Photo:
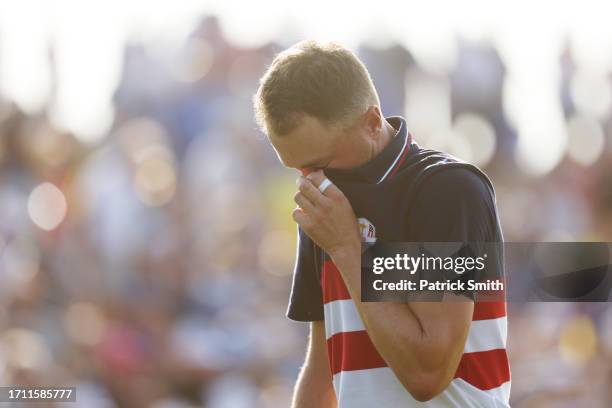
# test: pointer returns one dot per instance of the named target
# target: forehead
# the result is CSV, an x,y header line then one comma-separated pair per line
x,y
309,141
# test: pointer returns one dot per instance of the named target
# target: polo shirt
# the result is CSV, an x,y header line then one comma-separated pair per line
x,y
407,194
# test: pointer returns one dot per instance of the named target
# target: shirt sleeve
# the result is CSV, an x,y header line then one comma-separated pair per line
x,y
458,205
454,205
306,299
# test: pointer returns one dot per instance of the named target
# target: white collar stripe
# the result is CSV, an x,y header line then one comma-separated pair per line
x,y
395,161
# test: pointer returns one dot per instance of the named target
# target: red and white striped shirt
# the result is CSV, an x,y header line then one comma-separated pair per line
x,y
362,378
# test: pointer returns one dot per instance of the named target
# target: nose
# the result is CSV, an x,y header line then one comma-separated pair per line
x,y
307,171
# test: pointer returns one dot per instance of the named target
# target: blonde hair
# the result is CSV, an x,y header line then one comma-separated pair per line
x,y
324,80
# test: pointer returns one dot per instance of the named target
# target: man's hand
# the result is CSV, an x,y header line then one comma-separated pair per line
x,y
328,218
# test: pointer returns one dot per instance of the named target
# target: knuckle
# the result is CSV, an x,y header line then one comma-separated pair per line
x,y
326,204
307,186
334,197
306,224
337,196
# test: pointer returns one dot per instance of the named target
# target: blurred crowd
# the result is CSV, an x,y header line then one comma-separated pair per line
x,y
152,268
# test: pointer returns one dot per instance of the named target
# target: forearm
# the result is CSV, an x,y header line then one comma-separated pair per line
x,y
311,390
398,327
314,385
422,354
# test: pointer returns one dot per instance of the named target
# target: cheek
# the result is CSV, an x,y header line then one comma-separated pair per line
x,y
341,163
345,155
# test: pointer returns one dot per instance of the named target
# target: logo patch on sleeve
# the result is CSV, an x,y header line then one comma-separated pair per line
x,y
368,231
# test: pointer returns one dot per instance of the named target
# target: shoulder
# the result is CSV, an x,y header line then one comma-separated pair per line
x,y
435,171
457,181
454,204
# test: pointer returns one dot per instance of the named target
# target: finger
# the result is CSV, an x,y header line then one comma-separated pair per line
x,y
303,202
301,218
318,177
311,192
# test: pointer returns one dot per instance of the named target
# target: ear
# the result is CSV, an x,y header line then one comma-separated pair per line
x,y
373,120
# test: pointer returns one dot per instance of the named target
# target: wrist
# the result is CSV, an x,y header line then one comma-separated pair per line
x,y
346,254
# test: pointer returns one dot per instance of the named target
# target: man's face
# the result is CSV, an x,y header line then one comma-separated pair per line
x,y
313,145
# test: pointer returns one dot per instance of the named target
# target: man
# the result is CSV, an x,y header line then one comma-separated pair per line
x,y
321,112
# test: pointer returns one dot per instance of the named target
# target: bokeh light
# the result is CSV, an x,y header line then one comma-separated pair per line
x,y
427,105
139,134
25,349
479,135
578,340
592,93
47,206
25,76
586,139
84,323
155,181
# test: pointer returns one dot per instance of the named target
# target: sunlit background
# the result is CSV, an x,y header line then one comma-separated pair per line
x,y
146,243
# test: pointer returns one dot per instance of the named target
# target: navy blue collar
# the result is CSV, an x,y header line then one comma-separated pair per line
x,y
385,164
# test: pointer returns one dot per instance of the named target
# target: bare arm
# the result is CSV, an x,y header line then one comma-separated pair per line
x,y
422,342
314,385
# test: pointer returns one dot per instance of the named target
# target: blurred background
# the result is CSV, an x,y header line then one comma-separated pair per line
x,y
146,242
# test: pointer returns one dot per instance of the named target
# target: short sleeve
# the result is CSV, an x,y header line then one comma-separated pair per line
x,y
306,299
454,205
458,205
